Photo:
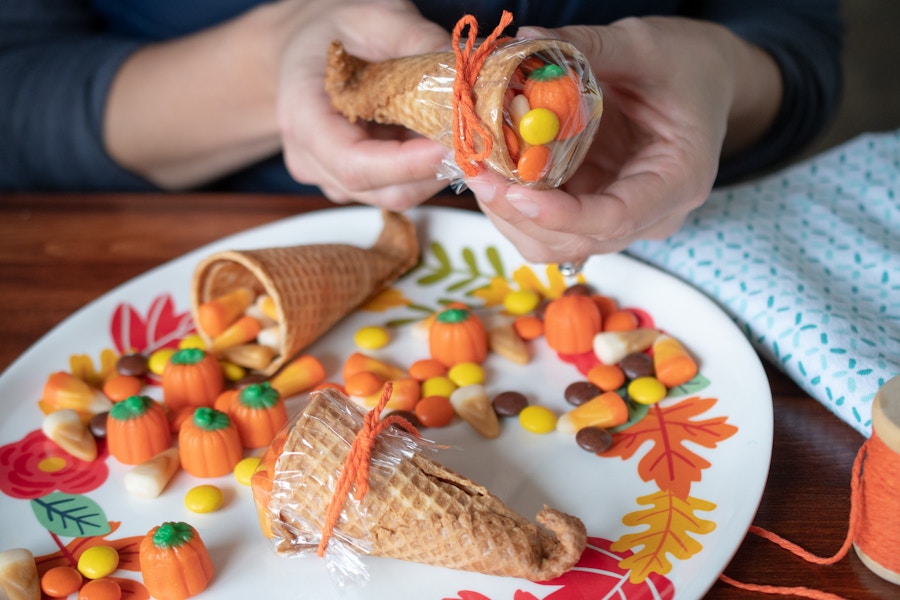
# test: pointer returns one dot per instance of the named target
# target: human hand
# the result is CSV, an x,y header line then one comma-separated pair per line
x,y
385,166
672,89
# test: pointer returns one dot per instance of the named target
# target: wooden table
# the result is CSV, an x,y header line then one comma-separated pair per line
x,y
59,252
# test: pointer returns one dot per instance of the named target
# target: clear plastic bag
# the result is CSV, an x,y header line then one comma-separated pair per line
x,y
418,93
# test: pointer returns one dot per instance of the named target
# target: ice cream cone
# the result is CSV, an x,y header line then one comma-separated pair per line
x,y
313,286
415,509
417,92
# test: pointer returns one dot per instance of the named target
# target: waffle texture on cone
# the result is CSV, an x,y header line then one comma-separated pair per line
x,y
415,509
417,92
313,286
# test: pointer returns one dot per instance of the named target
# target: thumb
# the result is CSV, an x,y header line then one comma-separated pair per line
x,y
604,46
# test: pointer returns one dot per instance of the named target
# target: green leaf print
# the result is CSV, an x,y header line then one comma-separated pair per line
x,y
70,515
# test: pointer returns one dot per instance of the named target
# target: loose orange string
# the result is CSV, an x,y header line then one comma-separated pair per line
x,y
356,466
466,124
873,523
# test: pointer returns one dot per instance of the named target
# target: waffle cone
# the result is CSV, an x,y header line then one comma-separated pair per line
x,y
313,286
416,92
415,509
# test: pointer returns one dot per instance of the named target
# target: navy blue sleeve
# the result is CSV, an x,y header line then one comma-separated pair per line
x,y
56,67
805,37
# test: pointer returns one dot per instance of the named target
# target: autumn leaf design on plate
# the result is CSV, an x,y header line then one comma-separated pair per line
x,y
671,518
600,573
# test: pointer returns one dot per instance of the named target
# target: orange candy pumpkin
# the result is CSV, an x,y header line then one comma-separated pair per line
x,y
570,324
137,429
456,336
192,377
257,410
209,444
558,89
175,563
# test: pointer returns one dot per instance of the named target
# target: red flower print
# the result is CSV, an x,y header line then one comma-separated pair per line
x,y
36,466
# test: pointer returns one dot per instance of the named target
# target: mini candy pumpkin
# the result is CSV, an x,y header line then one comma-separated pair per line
x,y
192,377
257,410
209,444
175,563
558,89
456,336
570,324
137,429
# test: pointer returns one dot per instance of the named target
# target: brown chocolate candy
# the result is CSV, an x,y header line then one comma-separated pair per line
x,y
132,364
637,364
97,425
580,392
409,416
593,439
579,289
509,404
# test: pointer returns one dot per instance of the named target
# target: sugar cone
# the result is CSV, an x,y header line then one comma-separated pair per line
x,y
313,286
416,92
415,509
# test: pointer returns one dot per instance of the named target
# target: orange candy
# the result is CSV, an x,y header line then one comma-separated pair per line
x,y
434,411
364,383
426,369
606,377
101,589
534,163
620,320
119,387
606,305
59,582
528,327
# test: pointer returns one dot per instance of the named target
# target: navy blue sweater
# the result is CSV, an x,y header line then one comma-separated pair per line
x,y
58,59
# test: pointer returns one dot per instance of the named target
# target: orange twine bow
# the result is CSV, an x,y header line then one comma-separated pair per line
x,y
356,467
466,123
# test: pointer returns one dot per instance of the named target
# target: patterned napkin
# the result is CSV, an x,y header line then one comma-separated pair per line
x,y
807,263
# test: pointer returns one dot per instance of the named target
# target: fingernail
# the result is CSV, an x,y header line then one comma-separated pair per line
x,y
483,190
523,204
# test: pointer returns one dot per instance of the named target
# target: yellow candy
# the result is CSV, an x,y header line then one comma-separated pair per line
x,y
646,390
204,499
192,341
537,419
539,126
98,561
521,302
157,361
245,469
438,386
372,337
231,371
467,373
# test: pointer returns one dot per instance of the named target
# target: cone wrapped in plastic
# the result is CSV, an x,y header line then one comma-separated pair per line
x,y
422,93
313,286
414,509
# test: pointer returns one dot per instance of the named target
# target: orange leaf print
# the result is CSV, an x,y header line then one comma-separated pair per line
x,y
672,465
669,522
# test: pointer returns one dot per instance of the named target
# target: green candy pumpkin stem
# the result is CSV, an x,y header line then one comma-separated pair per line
x,y
453,315
547,73
130,408
210,419
188,356
259,395
172,535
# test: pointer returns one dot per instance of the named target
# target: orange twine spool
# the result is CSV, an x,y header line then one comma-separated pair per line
x,y
874,528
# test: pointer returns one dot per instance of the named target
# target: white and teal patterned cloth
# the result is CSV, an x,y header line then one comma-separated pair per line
x,y
807,262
